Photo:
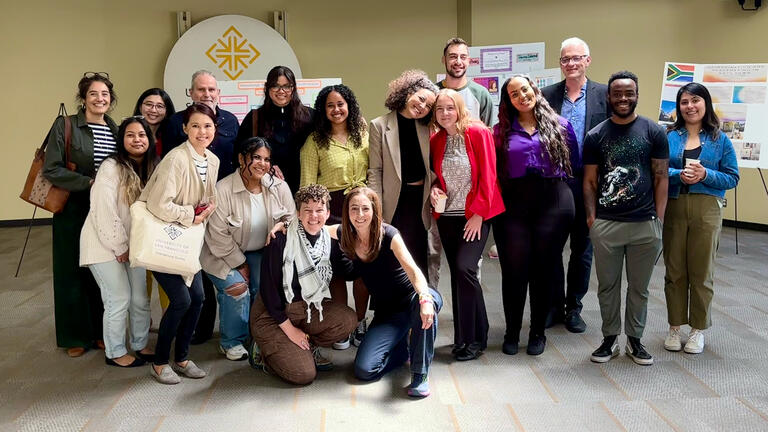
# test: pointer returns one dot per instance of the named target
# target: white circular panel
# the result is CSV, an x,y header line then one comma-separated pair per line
x,y
233,47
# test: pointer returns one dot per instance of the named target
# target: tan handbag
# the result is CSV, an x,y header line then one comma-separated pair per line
x,y
164,246
38,190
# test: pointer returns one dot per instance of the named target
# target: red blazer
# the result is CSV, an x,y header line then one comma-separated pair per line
x,y
484,197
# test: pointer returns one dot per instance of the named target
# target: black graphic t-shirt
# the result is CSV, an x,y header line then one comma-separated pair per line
x,y
623,156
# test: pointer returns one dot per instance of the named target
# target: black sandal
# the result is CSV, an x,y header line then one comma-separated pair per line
x,y
135,363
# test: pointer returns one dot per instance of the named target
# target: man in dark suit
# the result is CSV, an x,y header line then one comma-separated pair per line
x,y
584,104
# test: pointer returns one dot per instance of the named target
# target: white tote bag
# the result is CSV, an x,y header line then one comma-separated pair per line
x,y
161,246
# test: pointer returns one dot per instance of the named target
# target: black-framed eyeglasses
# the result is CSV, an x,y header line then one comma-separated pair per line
x,y
96,75
136,117
284,88
575,59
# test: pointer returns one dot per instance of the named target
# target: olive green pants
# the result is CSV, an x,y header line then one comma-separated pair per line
x,y
691,235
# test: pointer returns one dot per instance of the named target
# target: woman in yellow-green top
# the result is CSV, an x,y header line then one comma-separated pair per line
x,y
336,153
336,156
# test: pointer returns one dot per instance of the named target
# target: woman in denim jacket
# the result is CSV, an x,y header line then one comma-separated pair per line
x,y
702,166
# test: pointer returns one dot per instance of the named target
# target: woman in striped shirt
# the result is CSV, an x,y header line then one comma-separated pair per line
x,y
78,307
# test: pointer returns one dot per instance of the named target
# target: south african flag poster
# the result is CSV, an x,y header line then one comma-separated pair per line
x,y
679,72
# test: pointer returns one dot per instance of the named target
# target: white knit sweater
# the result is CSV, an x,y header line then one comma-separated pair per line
x,y
107,228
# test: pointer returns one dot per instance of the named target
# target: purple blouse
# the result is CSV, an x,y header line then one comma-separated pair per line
x,y
522,153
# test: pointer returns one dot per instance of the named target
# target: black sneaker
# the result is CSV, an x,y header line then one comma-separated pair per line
x,y
636,351
606,351
536,344
509,347
574,323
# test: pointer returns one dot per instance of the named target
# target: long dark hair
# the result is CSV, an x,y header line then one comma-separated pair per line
x,y
355,122
299,113
134,175
247,148
169,108
551,133
348,233
710,123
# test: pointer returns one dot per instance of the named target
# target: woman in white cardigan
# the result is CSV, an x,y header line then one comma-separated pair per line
x,y
104,243
252,204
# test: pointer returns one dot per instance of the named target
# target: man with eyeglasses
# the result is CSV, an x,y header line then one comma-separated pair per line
x,y
583,103
476,97
205,90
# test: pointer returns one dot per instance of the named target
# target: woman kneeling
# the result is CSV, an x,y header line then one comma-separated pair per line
x,y
404,302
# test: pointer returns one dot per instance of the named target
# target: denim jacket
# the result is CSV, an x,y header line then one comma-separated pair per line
x,y
717,156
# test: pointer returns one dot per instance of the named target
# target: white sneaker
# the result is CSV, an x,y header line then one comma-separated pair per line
x,y
342,344
236,353
672,341
695,343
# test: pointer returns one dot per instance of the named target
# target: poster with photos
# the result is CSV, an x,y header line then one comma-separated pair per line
x,y
739,98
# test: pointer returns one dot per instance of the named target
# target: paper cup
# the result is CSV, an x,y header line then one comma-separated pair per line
x,y
441,199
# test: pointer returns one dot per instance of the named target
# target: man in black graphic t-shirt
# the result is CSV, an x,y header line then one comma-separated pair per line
x,y
625,195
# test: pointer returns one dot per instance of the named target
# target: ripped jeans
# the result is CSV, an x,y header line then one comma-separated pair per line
x,y
234,307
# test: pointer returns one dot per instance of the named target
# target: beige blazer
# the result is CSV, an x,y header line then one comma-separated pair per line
x,y
175,187
384,168
229,227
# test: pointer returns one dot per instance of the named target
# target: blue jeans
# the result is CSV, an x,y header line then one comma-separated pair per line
x,y
233,312
180,319
124,292
385,346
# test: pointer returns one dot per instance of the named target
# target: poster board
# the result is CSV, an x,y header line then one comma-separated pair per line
x,y
241,96
738,96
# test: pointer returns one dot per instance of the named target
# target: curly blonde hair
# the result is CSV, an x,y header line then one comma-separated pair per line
x,y
408,83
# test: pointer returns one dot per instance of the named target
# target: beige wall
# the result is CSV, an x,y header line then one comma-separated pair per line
x,y
639,35
48,44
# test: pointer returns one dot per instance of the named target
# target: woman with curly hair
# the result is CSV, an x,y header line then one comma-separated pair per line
x,y
283,121
465,178
536,152
336,156
398,160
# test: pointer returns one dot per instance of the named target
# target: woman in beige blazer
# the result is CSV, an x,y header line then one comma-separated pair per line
x,y
251,205
182,190
398,164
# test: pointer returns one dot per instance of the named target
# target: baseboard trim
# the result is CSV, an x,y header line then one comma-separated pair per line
x,y
745,225
25,222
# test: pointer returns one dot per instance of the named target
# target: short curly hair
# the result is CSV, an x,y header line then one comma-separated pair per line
x,y
312,192
408,83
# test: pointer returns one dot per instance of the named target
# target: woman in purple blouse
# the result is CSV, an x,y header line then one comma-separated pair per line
x,y
536,153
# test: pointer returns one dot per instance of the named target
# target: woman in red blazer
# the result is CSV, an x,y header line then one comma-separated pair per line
x,y
465,196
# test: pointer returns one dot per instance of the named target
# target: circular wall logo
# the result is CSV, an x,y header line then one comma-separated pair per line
x,y
233,47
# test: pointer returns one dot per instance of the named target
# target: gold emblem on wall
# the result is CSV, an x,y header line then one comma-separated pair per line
x,y
232,53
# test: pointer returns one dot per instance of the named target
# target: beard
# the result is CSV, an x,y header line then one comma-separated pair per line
x,y
632,106
453,74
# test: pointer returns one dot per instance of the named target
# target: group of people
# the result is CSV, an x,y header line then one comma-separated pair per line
x,y
430,177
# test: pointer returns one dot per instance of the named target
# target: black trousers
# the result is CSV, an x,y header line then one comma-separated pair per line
x,y
569,290
407,219
530,236
470,320
181,317
207,320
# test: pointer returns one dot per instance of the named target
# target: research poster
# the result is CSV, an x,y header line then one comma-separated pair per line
x,y
738,96
240,97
